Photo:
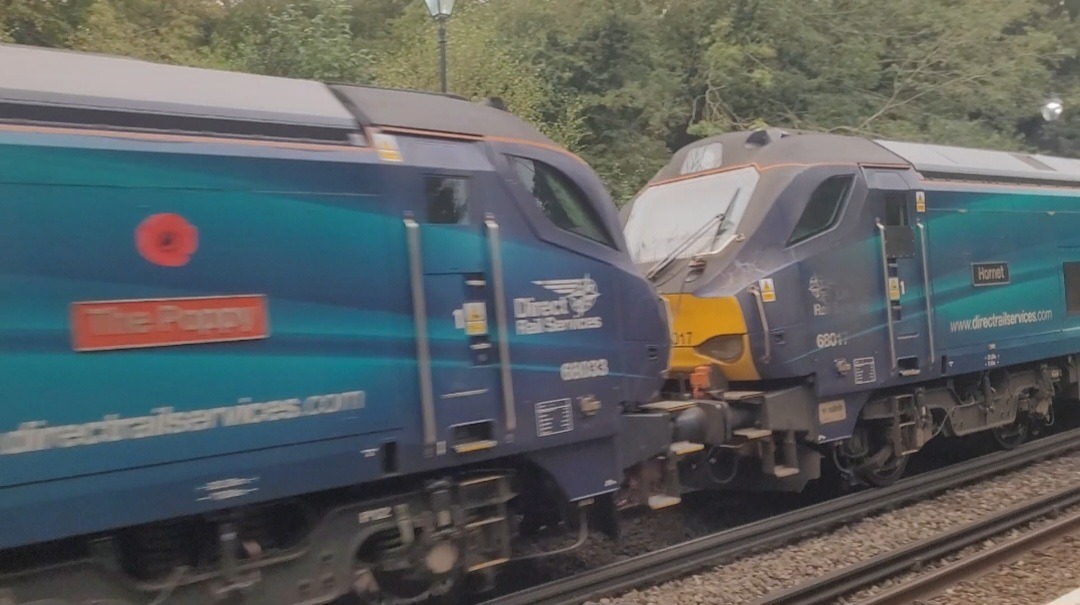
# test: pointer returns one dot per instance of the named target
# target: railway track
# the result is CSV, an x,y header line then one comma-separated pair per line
x,y
695,554
851,579
934,583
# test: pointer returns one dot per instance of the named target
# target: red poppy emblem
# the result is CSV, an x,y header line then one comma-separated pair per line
x,y
167,239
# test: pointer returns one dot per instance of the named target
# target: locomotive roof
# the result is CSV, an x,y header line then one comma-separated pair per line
x,y
772,147
963,162
42,85
434,112
46,85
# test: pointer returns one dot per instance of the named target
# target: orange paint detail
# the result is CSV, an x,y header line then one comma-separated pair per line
x,y
768,167
182,138
968,184
137,324
700,381
472,137
430,133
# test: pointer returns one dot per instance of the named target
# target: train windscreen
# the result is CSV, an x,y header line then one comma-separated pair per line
x,y
682,218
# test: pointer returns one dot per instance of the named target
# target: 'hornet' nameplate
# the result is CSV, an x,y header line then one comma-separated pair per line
x,y
990,274
136,324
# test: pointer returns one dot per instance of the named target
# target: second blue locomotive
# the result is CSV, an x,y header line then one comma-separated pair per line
x,y
854,298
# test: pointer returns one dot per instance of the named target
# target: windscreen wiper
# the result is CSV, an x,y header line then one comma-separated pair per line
x,y
693,237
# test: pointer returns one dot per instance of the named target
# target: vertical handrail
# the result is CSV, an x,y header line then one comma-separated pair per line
x,y
888,299
495,249
926,289
423,350
756,293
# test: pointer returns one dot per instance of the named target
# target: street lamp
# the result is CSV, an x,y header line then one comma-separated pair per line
x,y
1052,108
440,10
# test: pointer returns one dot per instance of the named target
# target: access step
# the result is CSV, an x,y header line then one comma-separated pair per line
x,y
752,434
475,446
483,522
682,448
479,480
781,471
742,396
659,502
487,564
669,407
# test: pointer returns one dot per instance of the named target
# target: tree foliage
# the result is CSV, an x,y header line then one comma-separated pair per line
x,y
624,83
174,31
305,39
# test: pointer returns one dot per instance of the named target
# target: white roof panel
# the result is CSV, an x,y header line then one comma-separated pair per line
x,y
58,78
985,163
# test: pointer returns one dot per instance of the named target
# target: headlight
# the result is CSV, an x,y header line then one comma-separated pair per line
x,y
725,348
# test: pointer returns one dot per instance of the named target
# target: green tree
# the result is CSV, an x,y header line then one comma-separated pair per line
x,y
624,83
40,22
607,56
484,60
1062,137
302,39
170,31
913,69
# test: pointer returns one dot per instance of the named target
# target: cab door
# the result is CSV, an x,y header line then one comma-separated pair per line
x,y
461,353
904,277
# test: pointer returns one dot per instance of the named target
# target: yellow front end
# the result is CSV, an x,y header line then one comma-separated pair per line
x,y
710,331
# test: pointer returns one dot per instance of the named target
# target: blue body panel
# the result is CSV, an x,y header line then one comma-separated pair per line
x,y
321,235
832,297
1033,231
841,290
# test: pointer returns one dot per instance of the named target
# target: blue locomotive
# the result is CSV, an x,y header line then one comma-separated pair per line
x,y
290,341
848,299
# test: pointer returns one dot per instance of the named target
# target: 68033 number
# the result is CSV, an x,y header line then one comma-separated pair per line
x,y
578,370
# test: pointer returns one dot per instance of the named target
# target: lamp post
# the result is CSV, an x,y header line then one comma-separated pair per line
x,y
440,10
1052,109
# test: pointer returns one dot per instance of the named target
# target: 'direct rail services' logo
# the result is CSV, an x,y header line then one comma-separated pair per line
x,y
576,297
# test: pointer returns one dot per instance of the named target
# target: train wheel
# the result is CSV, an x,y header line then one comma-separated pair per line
x,y
1012,435
869,457
886,474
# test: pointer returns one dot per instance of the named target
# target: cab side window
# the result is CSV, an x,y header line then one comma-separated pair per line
x,y
447,199
1072,287
560,200
823,209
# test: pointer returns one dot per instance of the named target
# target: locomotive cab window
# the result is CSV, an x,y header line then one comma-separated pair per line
x,y
823,209
560,200
1072,287
896,214
447,199
899,235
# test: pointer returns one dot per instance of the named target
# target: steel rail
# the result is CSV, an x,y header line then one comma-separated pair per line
x,y
695,554
851,579
936,582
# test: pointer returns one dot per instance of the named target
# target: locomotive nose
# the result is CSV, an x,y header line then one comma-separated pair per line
x,y
710,331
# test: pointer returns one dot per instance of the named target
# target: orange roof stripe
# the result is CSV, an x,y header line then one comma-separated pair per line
x,y
768,167
472,137
182,138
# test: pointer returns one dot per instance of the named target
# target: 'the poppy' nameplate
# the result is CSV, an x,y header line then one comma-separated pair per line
x,y
133,324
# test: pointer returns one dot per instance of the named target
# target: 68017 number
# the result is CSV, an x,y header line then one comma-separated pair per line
x,y
830,339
